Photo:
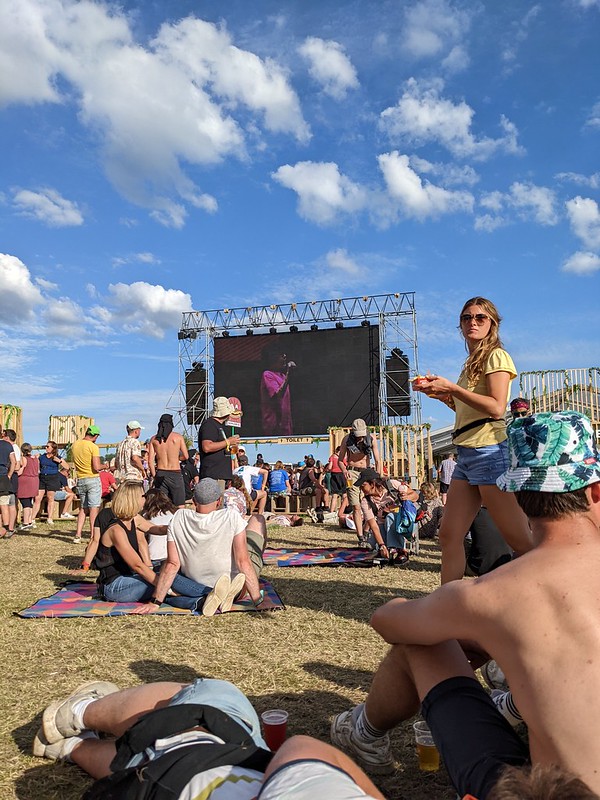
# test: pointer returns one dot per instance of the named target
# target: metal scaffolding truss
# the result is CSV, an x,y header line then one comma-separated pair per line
x,y
395,314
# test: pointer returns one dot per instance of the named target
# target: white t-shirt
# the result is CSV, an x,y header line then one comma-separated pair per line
x,y
204,542
157,545
246,473
224,783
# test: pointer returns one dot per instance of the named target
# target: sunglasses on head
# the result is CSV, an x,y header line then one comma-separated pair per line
x,y
520,414
478,318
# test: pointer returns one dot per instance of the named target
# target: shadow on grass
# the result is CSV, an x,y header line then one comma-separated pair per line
x,y
60,536
349,600
149,670
346,677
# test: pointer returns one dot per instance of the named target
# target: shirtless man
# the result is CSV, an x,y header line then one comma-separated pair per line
x,y
538,617
355,455
165,452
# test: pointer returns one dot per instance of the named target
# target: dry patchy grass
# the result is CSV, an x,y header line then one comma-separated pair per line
x,y
314,659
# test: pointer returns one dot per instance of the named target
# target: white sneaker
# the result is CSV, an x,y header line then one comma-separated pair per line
x,y
67,516
375,757
49,522
57,720
76,540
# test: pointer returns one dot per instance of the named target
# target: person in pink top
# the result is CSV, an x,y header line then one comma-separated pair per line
x,y
29,485
275,397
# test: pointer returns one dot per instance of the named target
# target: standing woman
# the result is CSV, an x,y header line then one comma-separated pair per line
x,y
50,464
479,399
29,485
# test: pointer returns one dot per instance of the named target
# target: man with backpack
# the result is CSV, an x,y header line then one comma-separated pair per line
x,y
357,450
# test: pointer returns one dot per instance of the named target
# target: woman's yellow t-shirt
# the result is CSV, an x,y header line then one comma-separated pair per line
x,y
491,432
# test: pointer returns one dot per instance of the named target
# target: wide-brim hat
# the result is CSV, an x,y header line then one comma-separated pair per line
x,y
221,407
551,452
366,475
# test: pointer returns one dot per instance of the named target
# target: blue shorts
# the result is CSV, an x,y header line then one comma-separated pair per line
x,y
219,694
90,492
480,466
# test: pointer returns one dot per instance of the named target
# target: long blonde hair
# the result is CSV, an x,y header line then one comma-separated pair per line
x,y
473,366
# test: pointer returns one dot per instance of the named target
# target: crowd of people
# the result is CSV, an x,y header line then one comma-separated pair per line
x,y
524,496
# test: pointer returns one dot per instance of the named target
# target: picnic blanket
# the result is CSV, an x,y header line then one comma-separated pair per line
x,y
319,556
78,599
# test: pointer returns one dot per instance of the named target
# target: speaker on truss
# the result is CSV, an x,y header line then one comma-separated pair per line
x,y
396,377
195,393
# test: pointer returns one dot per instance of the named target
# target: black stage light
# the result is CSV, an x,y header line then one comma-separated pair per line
x,y
249,332
339,325
314,327
365,323
225,334
293,329
272,330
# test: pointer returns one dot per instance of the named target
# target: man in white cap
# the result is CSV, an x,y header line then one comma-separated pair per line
x,y
215,445
356,451
129,464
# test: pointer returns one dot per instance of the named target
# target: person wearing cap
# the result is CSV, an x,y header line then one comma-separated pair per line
x,y
357,450
86,457
537,616
129,464
166,450
209,541
215,444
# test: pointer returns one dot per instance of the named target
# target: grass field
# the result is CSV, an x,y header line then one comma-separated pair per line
x,y
314,659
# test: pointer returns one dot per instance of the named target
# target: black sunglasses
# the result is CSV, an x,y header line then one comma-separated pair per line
x,y
520,414
478,318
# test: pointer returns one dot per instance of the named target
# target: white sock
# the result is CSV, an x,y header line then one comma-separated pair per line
x,y
78,710
506,706
362,727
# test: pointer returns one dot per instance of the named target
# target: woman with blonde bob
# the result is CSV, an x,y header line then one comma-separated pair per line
x,y
123,559
479,398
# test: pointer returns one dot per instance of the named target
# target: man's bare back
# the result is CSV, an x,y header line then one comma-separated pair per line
x,y
168,454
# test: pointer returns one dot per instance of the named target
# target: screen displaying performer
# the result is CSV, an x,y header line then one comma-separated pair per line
x,y
300,383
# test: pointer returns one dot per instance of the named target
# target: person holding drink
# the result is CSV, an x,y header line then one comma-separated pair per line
x,y
215,445
479,398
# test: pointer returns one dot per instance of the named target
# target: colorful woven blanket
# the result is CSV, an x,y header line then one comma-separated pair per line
x,y
319,556
79,600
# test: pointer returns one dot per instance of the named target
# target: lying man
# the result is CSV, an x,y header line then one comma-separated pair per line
x,y
188,741
538,617
209,541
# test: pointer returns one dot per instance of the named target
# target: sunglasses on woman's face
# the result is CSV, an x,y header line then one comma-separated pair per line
x,y
520,414
479,319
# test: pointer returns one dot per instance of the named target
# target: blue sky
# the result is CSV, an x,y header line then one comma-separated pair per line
x,y
164,156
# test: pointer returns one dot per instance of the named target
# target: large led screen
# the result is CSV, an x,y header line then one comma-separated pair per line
x,y
298,384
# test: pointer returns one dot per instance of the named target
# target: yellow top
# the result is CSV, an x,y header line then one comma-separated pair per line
x,y
82,451
491,432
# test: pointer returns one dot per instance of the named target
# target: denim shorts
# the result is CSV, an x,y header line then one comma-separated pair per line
x,y
219,694
90,492
480,466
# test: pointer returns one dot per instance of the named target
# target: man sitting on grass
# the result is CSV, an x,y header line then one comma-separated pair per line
x,y
211,541
188,741
538,617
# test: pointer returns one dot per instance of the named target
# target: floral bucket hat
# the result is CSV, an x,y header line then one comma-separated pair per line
x,y
551,452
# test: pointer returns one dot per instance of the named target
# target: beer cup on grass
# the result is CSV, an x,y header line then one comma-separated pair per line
x,y
274,727
429,757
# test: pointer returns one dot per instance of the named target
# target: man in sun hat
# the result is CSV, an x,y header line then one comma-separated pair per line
x,y
215,443
357,449
537,616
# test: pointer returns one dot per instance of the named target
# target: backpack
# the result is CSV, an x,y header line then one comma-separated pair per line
x,y
405,518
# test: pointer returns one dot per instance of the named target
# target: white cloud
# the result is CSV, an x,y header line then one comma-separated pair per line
x,y
141,258
422,115
581,263
329,66
18,295
526,200
593,120
47,206
65,319
415,197
48,286
147,308
186,100
590,181
340,260
323,192
518,34
448,174
585,4
434,28
584,216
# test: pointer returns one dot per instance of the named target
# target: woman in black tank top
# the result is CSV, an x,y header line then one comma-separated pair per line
x,y
126,574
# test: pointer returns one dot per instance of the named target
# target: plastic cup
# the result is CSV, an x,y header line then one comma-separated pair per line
x,y
427,752
274,724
